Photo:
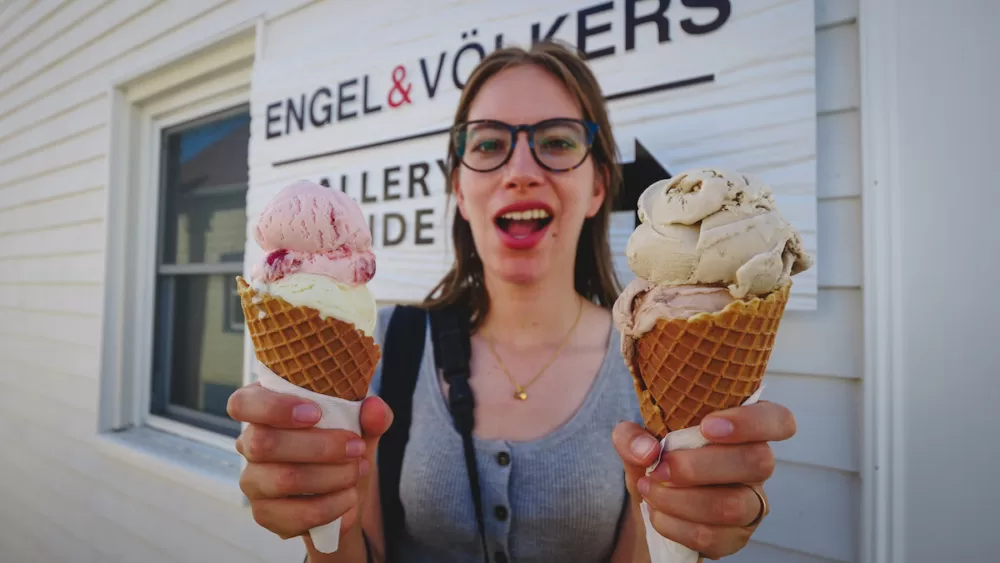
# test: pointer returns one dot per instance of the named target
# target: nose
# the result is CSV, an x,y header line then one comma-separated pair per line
x,y
522,171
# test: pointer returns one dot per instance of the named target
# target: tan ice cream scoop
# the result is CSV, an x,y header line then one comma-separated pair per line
x,y
708,227
714,260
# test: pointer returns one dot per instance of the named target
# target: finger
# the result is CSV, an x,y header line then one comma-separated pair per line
x,y
256,405
279,480
759,422
638,450
263,444
722,505
376,417
290,517
635,444
713,542
716,465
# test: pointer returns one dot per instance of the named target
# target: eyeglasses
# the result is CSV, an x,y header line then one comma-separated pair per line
x,y
558,145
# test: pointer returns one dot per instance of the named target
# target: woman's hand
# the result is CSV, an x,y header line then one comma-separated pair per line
x,y
701,498
298,477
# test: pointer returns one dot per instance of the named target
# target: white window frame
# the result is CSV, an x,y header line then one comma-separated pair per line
x,y
212,77
225,93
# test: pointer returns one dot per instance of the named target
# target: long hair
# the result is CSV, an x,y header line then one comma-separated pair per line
x,y
594,275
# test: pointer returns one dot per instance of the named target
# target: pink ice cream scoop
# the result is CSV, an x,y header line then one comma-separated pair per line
x,y
308,228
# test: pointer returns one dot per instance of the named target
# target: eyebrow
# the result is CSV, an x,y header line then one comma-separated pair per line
x,y
470,120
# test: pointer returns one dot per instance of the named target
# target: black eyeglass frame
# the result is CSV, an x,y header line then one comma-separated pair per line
x,y
456,130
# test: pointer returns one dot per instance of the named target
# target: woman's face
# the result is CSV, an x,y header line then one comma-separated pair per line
x,y
525,219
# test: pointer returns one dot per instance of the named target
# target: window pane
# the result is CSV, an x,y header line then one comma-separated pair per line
x,y
205,177
199,344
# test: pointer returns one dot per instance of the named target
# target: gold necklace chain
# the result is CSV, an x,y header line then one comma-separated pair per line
x,y
521,391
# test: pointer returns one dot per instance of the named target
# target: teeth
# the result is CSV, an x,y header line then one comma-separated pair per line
x,y
526,215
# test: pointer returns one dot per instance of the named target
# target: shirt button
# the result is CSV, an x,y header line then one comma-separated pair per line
x,y
500,557
503,458
500,512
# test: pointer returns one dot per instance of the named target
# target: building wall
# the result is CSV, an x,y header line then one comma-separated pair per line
x,y
62,498
816,367
942,134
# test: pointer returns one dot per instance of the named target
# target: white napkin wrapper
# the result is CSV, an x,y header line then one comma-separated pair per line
x,y
337,414
661,549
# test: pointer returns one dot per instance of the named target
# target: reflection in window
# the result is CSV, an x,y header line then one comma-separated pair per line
x,y
233,318
198,359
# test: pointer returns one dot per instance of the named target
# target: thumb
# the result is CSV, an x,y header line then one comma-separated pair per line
x,y
638,450
376,417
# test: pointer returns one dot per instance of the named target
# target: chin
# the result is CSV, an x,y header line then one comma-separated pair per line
x,y
521,278
521,260
519,270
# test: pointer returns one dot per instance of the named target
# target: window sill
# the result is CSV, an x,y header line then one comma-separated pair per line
x,y
207,469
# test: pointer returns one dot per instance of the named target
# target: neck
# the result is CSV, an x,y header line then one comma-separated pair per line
x,y
527,316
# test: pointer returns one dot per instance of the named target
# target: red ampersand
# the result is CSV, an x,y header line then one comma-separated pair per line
x,y
400,90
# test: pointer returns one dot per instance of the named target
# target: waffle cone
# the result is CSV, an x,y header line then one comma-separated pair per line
x,y
325,355
685,369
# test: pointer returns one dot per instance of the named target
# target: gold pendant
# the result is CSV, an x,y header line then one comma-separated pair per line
x,y
521,394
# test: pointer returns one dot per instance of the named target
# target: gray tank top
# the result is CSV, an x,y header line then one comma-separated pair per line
x,y
558,498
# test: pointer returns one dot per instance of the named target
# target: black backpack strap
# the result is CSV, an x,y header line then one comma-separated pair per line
x,y
452,352
402,353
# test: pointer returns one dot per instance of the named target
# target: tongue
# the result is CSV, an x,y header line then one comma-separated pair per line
x,y
521,229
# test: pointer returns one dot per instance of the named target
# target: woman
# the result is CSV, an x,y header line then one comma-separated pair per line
x,y
557,427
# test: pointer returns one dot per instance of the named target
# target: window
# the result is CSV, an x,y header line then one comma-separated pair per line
x,y
173,345
232,320
198,335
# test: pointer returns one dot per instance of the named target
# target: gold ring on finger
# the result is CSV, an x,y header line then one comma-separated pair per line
x,y
763,506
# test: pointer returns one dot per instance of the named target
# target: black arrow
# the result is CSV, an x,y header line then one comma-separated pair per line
x,y
637,176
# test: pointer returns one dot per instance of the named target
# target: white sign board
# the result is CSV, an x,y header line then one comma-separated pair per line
x,y
358,96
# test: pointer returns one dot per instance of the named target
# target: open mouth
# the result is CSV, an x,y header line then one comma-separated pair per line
x,y
525,223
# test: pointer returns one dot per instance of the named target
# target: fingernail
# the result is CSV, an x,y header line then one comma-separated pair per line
x,y
662,472
363,467
643,446
305,413
355,448
717,427
643,486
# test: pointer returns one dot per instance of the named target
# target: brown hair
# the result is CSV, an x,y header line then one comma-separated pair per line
x,y
594,273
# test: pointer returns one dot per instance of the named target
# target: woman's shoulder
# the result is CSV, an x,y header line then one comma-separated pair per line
x,y
614,360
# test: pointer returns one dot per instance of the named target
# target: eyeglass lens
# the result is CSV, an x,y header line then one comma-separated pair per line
x,y
559,145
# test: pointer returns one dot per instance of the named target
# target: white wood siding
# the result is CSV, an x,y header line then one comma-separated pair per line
x,y
63,499
816,366
817,363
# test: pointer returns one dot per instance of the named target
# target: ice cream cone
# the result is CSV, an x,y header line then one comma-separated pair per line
x,y
325,355
685,369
